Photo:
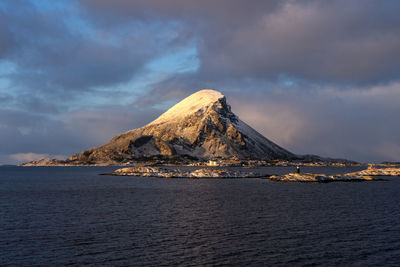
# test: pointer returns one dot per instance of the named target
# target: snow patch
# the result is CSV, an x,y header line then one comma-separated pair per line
x,y
200,100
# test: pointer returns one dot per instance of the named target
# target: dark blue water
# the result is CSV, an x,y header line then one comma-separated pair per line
x,y
73,216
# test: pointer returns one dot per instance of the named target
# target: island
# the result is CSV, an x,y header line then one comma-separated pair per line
x,y
159,172
378,172
320,178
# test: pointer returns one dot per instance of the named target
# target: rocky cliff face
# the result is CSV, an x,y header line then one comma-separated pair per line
x,y
201,126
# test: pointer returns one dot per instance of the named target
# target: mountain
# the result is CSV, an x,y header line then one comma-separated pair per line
x,y
201,126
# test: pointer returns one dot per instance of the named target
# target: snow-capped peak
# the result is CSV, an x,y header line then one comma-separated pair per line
x,y
191,104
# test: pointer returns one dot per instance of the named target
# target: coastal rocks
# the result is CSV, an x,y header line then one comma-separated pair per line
x,y
145,172
320,178
176,173
364,175
50,162
44,162
159,172
378,172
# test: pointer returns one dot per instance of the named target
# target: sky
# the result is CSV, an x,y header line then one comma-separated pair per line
x,y
316,77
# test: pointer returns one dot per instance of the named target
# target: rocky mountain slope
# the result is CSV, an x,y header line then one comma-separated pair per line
x,y
202,126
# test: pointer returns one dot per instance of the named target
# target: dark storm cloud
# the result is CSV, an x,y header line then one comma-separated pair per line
x,y
6,39
347,42
52,51
336,41
39,105
228,11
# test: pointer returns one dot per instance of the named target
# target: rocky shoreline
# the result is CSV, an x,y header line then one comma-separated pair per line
x,y
378,172
159,172
320,178
365,175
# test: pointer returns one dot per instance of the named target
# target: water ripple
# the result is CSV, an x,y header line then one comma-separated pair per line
x,y
74,217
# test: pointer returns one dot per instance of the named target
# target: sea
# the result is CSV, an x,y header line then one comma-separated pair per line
x,y
72,216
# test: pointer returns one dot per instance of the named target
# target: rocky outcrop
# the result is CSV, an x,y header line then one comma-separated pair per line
x,y
225,173
319,178
178,173
45,162
56,162
378,172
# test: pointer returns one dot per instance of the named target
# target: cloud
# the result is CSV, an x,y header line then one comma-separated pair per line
x,y
345,42
56,51
357,124
315,76
223,10
336,41
6,39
